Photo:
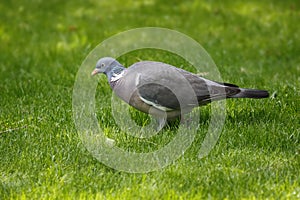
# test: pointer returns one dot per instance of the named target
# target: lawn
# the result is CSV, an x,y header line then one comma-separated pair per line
x,y
255,44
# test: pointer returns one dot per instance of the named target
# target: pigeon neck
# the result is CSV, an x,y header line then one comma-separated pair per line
x,y
115,73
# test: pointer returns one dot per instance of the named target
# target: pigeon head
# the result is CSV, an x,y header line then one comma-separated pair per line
x,y
106,66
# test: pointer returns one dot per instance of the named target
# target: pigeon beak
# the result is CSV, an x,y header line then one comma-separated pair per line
x,y
96,71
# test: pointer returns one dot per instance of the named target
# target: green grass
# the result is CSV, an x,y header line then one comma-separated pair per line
x,y
43,43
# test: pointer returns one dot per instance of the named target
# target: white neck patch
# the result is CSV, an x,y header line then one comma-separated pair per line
x,y
116,77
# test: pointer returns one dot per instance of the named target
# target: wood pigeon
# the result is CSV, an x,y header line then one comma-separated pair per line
x,y
164,91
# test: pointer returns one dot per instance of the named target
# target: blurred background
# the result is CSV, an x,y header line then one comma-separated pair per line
x,y
49,38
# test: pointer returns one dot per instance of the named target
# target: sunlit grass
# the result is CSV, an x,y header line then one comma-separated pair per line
x,y
43,43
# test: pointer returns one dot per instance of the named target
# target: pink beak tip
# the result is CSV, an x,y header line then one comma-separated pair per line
x,y
94,72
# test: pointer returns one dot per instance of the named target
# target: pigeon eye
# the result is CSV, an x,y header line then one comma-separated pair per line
x,y
102,64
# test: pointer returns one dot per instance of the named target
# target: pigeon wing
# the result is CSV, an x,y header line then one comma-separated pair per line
x,y
168,88
164,86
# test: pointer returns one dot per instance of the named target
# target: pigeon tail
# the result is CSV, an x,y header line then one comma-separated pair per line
x,y
251,93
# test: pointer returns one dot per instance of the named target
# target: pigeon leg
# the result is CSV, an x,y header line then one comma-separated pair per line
x,y
161,123
182,119
160,116
185,120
